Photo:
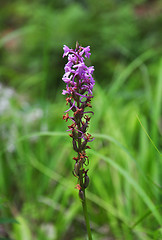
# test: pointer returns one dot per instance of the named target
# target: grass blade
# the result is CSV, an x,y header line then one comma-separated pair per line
x,y
133,183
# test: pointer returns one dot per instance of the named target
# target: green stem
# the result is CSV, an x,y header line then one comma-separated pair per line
x,y
84,204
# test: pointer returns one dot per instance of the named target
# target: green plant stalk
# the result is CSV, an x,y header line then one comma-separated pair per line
x,y
84,205
85,212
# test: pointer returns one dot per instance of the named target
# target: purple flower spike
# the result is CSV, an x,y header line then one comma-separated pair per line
x,y
79,86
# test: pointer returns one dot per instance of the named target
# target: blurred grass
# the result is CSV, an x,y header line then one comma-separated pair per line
x,y
124,160
36,181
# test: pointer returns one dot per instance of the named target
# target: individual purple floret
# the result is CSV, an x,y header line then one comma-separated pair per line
x,y
79,86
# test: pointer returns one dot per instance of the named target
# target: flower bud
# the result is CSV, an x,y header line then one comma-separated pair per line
x,y
84,127
76,168
83,145
86,181
81,194
77,45
75,134
75,145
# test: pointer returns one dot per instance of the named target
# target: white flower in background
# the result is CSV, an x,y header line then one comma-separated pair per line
x,y
6,94
9,134
21,114
49,230
4,105
34,115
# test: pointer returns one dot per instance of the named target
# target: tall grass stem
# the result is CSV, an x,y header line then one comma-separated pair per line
x,y
85,212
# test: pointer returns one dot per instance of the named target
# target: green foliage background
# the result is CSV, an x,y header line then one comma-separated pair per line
x,y
37,188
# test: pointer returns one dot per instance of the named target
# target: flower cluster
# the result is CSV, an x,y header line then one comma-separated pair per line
x,y
79,86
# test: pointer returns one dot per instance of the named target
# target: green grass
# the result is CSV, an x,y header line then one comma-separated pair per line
x,y
38,199
124,196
